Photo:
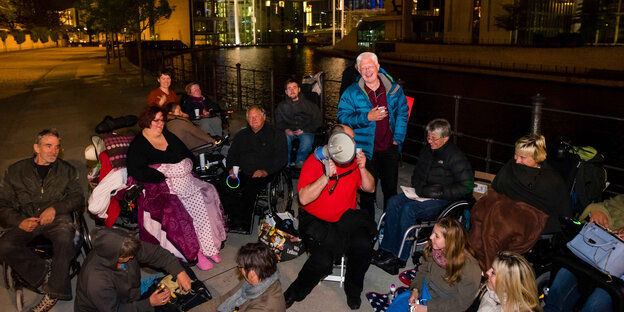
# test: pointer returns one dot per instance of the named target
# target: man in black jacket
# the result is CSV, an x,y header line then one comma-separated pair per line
x,y
110,278
442,175
37,197
259,151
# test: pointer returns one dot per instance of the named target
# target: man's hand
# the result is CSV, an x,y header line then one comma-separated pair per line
x,y
184,281
289,132
377,113
159,298
298,132
47,216
619,232
395,143
260,174
330,168
162,99
361,160
599,218
29,224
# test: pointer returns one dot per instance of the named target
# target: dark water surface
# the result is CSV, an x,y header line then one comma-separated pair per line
x,y
476,118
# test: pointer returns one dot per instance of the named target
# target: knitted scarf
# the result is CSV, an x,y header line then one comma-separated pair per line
x,y
247,292
438,257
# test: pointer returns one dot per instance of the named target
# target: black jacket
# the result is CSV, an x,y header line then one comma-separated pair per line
x,y
542,188
103,287
302,114
446,166
265,150
23,194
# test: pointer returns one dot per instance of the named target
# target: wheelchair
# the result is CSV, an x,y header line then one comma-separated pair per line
x,y
43,247
419,233
277,197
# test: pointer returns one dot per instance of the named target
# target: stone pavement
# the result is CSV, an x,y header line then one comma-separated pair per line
x,y
72,89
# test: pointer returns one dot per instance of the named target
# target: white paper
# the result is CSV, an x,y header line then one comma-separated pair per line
x,y
410,192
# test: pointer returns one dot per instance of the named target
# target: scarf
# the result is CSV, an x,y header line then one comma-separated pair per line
x,y
196,99
438,257
247,292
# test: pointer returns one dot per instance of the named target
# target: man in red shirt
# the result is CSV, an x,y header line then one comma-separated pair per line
x,y
332,226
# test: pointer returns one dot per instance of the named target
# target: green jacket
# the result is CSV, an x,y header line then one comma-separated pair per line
x,y
23,194
613,208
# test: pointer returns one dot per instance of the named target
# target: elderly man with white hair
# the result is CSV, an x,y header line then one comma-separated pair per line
x,y
376,109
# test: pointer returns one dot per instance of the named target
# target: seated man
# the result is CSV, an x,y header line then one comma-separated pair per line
x,y
260,290
443,174
298,118
37,197
260,152
332,226
110,278
191,135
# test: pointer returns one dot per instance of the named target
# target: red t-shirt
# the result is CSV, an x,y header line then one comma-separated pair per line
x,y
331,207
153,97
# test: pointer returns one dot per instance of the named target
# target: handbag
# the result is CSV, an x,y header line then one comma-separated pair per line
x,y
180,300
275,232
600,248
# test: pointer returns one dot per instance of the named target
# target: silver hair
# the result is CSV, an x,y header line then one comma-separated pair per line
x,y
366,55
44,132
255,106
440,126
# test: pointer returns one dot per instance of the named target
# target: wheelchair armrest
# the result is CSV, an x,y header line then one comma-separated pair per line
x,y
202,148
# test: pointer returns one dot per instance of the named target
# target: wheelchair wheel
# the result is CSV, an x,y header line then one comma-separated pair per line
x,y
281,193
543,281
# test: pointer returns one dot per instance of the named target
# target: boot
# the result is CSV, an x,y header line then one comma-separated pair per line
x,y
203,263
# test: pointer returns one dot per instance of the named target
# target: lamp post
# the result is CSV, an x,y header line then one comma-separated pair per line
x,y
333,23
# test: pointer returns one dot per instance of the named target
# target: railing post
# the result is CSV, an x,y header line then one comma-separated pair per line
x,y
239,92
214,80
488,155
322,97
272,108
183,71
536,113
456,120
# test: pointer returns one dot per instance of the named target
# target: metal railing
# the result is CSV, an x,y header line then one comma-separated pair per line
x,y
240,87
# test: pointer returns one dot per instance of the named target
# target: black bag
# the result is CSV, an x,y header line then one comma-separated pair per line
x,y
196,296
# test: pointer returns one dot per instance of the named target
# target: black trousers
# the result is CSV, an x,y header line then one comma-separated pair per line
x,y
385,167
239,203
348,235
31,267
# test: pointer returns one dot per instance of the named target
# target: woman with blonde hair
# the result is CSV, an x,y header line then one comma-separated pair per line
x,y
510,286
528,178
450,273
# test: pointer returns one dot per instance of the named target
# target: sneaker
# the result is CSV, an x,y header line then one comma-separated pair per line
x,y
44,305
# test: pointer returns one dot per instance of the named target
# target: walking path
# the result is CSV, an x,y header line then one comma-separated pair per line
x,y
72,89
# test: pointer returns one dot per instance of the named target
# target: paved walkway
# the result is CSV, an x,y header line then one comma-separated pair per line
x,y
72,89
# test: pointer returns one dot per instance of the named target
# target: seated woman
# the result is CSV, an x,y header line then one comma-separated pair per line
x,y
260,290
196,102
564,293
184,129
528,178
443,174
450,273
163,94
160,161
510,286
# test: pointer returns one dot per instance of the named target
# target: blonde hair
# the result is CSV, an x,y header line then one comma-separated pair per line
x,y
533,145
455,248
515,283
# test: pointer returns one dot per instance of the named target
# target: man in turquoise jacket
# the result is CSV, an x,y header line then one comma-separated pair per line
x,y
376,109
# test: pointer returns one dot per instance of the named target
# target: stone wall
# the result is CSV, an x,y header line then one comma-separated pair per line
x,y
11,45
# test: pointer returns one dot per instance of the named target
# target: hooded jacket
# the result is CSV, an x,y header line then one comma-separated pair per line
x,y
103,287
301,114
354,106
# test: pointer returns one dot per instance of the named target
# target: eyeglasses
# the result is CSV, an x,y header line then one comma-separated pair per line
x,y
432,139
158,120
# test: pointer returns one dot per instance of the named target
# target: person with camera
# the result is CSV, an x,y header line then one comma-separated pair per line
x,y
110,278
332,226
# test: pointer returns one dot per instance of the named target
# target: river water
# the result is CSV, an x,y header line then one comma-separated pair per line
x,y
478,118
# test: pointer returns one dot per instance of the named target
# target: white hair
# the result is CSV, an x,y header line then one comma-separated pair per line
x,y
366,55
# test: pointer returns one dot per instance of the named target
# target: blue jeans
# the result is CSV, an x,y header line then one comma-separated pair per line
x,y
564,294
402,213
306,141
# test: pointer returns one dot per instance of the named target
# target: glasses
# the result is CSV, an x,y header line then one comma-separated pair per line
x,y
432,139
158,120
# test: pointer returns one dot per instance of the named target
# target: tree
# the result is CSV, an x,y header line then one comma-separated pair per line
x,y
143,15
515,18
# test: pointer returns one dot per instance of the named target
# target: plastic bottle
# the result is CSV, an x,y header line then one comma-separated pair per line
x,y
391,294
